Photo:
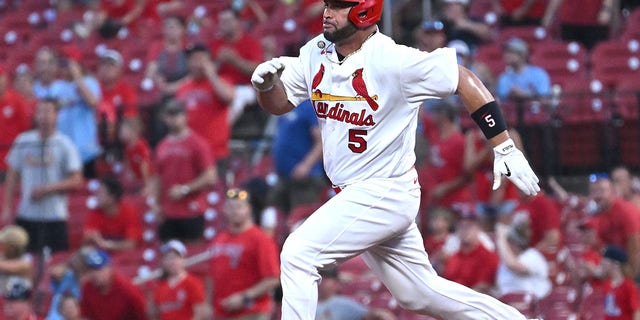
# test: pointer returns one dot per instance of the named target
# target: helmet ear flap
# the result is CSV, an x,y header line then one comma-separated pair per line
x,y
366,13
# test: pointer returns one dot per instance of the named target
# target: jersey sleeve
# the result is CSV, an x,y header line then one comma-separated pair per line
x,y
293,79
429,74
73,162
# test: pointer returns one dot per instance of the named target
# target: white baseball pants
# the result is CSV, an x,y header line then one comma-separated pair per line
x,y
376,218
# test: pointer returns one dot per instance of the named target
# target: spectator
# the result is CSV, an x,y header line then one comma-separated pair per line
x,y
107,295
46,67
184,170
14,261
155,10
121,12
46,165
119,98
206,96
79,95
333,306
519,12
473,265
297,156
522,267
113,225
618,221
69,308
248,255
137,153
167,59
17,300
459,26
178,295
447,165
621,293
625,184
429,35
465,58
65,282
521,81
544,221
438,237
589,263
15,117
236,52
589,25
23,86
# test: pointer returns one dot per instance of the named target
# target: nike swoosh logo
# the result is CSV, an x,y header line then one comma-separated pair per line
x,y
508,174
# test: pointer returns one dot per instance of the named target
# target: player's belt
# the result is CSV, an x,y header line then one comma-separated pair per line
x,y
336,189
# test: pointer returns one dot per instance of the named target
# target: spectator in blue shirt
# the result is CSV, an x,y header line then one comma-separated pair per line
x,y
521,81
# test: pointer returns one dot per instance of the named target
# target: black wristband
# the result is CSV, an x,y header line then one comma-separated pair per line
x,y
490,120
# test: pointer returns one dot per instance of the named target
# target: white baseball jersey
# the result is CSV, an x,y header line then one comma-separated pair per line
x,y
367,106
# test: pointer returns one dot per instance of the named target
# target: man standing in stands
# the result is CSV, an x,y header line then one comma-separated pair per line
x,y
47,166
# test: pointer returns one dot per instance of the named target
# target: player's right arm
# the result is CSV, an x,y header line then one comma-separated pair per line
x,y
271,94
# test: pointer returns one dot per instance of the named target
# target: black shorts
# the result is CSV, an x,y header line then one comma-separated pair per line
x,y
186,229
52,234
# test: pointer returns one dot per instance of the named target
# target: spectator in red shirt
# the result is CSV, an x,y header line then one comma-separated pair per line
x,y
473,265
544,221
15,118
589,263
618,220
439,228
107,295
23,86
206,95
17,300
625,184
114,225
621,293
249,256
137,154
119,98
589,25
446,148
184,170
178,295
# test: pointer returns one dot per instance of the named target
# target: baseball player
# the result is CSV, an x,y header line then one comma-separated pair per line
x,y
366,91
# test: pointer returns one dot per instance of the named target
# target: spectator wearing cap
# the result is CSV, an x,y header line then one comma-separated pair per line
x,y
14,259
621,293
429,35
247,254
617,220
114,225
521,81
206,94
46,165
15,117
459,26
522,268
17,300
334,306
119,98
184,171
473,265
107,295
178,295
79,97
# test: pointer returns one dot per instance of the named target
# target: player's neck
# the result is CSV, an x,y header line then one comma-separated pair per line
x,y
355,42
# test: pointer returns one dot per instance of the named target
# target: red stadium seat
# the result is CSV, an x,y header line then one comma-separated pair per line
x,y
530,34
559,304
613,60
583,101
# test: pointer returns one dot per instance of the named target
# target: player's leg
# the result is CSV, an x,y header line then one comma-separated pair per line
x,y
402,264
359,217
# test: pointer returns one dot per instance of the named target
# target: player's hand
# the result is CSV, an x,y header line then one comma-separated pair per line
x,y
510,161
266,74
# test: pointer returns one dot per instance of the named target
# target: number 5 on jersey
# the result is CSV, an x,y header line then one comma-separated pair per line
x,y
357,143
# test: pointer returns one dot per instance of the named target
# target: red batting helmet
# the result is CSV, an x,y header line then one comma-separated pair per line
x,y
365,12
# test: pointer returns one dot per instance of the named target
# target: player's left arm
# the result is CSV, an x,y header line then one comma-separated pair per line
x,y
484,110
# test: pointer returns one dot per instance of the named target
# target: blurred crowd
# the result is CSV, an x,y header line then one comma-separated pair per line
x,y
141,180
